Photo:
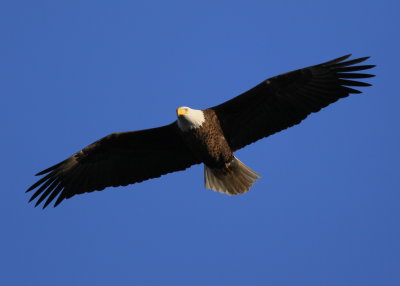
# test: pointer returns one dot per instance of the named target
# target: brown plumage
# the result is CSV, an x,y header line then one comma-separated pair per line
x,y
208,142
209,136
223,172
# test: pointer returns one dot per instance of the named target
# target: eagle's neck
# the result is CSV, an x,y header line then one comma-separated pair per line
x,y
193,119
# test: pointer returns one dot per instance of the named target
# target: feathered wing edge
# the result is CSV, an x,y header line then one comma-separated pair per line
x,y
49,183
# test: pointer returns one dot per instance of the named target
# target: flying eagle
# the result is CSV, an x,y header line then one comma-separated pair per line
x,y
208,136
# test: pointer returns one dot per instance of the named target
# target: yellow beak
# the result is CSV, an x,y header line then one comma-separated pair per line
x,y
181,111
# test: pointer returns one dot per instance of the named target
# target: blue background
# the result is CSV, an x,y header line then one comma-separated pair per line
x,y
325,212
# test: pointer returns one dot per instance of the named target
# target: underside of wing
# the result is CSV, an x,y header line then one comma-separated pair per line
x,y
285,100
118,159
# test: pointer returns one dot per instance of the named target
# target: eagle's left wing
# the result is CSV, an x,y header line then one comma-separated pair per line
x,y
285,100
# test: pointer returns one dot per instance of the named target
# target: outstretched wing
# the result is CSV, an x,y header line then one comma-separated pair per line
x,y
285,100
118,159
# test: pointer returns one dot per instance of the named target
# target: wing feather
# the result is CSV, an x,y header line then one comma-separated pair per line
x,y
287,99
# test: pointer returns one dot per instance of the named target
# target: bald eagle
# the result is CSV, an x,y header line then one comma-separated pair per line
x,y
208,136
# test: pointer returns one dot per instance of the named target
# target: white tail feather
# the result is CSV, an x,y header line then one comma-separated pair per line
x,y
236,180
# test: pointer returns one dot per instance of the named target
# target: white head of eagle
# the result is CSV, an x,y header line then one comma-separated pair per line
x,y
189,118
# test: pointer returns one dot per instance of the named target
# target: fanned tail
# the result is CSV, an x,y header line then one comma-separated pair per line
x,y
237,179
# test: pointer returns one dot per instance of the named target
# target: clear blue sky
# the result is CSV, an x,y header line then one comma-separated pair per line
x,y
325,212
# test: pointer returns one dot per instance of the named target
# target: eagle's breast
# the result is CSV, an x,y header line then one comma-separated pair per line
x,y
208,142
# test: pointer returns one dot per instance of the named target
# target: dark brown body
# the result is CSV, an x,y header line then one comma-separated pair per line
x,y
208,142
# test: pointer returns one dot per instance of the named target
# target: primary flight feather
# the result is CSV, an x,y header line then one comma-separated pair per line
x,y
208,136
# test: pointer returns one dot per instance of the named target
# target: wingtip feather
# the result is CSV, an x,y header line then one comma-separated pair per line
x,y
337,60
49,169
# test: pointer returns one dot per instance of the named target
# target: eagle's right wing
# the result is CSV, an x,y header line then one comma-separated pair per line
x,y
118,159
